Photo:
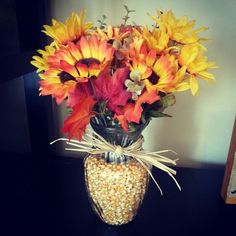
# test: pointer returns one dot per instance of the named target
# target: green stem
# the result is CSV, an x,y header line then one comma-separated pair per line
x,y
93,88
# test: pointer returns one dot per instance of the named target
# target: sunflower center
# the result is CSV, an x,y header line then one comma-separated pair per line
x,y
64,77
110,41
89,61
153,78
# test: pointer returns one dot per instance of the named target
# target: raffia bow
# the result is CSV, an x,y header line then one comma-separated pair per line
x,y
96,144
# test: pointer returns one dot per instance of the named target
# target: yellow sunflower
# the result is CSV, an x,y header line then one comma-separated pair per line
x,y
197,65
157,39
70,31
179,30
41,62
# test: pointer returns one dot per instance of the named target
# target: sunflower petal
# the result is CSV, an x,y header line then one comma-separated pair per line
x,y
206,75
193,85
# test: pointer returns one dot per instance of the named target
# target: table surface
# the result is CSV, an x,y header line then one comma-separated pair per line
x,y
52,200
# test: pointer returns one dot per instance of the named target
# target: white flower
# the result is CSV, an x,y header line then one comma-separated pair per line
x,y
135,84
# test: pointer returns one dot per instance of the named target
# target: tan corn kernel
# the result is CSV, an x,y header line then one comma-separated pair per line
x,y
116,190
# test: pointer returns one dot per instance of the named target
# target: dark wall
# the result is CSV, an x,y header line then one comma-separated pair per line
x,y
24,120
21,23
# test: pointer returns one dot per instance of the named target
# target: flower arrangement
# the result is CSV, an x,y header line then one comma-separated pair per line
x,y
119,77
122,74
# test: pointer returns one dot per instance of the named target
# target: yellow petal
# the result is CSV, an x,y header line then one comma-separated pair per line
x,y
149,85
188,54
49,32
198,66
180,74
109,31
193,85
206,75
200,30
94,47
182,87
39,59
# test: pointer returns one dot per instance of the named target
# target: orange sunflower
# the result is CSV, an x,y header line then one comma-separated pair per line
x,y
162,75
74,63
56,83
157,73
91,55
137,58
112,34
167,76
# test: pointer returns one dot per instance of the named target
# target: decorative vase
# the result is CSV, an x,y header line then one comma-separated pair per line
x,y
116,184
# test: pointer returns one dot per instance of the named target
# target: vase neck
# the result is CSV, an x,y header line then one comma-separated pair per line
x,y
115,135
112,157
118,136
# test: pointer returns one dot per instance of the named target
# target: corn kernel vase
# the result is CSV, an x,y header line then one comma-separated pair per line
x,y
116,184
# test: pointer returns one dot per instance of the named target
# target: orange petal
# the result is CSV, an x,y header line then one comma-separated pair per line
x,y
74,50
102,50
83,69
123,122
77,122
84,47
133,114
68,68
151,57
94,69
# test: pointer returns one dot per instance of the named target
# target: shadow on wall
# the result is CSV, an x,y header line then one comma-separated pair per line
x,y
179,133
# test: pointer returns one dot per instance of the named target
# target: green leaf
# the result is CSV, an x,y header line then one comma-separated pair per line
x,y
132,126
69,111
168,100
154,113
143,119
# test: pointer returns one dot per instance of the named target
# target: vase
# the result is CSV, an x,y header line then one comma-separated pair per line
x,y
116,184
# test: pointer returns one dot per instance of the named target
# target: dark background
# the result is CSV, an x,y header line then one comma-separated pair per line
x,y
25,116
